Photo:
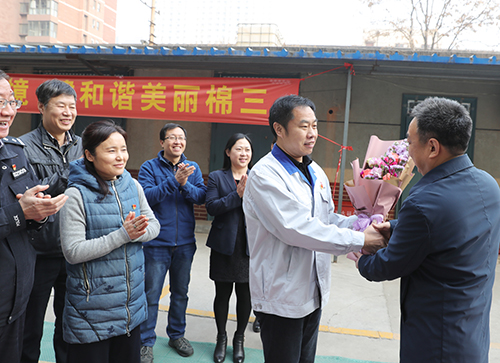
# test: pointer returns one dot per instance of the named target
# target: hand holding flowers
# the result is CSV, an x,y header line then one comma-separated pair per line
x,y
375,189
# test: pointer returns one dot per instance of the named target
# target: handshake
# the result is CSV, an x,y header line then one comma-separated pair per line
x,y
376,237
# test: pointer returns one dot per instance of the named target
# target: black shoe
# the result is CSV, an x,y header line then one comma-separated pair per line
x,y
220,348
238,351
182,346
256,325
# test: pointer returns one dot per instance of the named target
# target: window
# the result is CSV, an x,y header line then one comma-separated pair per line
x,y
23,29
42,29
97,25
85,22
84,38
98,7
43,7
409,102
24,8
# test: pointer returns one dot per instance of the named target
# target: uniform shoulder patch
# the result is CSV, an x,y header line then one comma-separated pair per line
x,y
13,141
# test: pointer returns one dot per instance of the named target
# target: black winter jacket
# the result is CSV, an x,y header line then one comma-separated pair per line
x,y
51,165
17,256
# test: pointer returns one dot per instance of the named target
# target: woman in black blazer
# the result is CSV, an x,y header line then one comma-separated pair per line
x,y
228,240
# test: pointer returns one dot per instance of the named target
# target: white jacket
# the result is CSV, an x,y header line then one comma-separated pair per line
x,y
292,230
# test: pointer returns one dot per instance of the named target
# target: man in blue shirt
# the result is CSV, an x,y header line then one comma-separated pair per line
x,y
172,185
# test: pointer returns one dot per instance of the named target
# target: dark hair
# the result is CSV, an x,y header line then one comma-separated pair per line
x,y
93,136
53,88
169,127
229,145
282,110
445,120
4,75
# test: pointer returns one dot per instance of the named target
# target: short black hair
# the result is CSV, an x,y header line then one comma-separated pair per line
x,y
53,88
169,127
445,120
282,110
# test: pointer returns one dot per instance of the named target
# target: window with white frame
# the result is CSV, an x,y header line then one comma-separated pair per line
x,y
42,29
43,7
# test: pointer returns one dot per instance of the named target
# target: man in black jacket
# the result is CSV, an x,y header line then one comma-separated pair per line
x,y
23,206
49,149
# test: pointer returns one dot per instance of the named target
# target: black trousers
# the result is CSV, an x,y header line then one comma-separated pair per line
x,y
11,338
289,340
49,273
120,349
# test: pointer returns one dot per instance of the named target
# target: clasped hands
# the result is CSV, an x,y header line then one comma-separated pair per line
x,y
135,226
376,237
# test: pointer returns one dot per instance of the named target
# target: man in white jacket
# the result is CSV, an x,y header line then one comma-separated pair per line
x,y
292,231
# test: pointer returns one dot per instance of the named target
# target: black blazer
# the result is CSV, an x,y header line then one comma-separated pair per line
x,y
224,203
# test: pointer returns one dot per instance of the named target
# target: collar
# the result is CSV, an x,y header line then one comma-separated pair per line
x,y
165,160
68,138
278,153
291,165
450,167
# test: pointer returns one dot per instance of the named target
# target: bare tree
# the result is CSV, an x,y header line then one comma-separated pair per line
x,y
430,24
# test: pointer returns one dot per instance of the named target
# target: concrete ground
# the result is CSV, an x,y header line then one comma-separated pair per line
x,y
361,321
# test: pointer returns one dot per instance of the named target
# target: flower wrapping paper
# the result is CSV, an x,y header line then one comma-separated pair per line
x,y
376,196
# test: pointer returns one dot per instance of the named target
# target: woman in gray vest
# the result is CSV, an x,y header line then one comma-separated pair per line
x,y
101,240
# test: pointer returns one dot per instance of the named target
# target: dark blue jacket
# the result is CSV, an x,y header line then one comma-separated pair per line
x,y
172,203
224,203
444,246
17,256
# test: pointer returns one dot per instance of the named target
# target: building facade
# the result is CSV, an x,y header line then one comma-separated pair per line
x,y
61,21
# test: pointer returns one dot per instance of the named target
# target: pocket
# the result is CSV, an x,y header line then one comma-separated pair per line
x,y
21,185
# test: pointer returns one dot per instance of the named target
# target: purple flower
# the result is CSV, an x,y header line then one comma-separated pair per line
x,y
392,162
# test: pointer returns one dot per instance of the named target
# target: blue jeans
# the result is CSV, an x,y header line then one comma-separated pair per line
x,y
177,261
289,340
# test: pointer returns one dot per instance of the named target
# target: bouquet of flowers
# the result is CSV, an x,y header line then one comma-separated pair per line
x,y
376,188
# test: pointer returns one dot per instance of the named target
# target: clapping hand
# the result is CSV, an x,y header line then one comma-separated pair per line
x,y
135,226
183,172
240,189
37,206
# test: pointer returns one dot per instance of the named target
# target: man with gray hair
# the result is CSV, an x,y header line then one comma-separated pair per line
x,y
444,245
49,149
23,206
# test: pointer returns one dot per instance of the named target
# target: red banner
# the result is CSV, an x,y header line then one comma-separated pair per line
x,y
230,100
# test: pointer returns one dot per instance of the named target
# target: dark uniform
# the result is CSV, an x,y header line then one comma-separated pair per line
x,y
17,256
50,163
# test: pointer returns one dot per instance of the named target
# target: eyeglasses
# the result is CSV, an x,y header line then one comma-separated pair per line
x,y
175,138
15,104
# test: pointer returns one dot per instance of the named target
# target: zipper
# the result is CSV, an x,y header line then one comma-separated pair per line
x,y
86,283
127,267
63,155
